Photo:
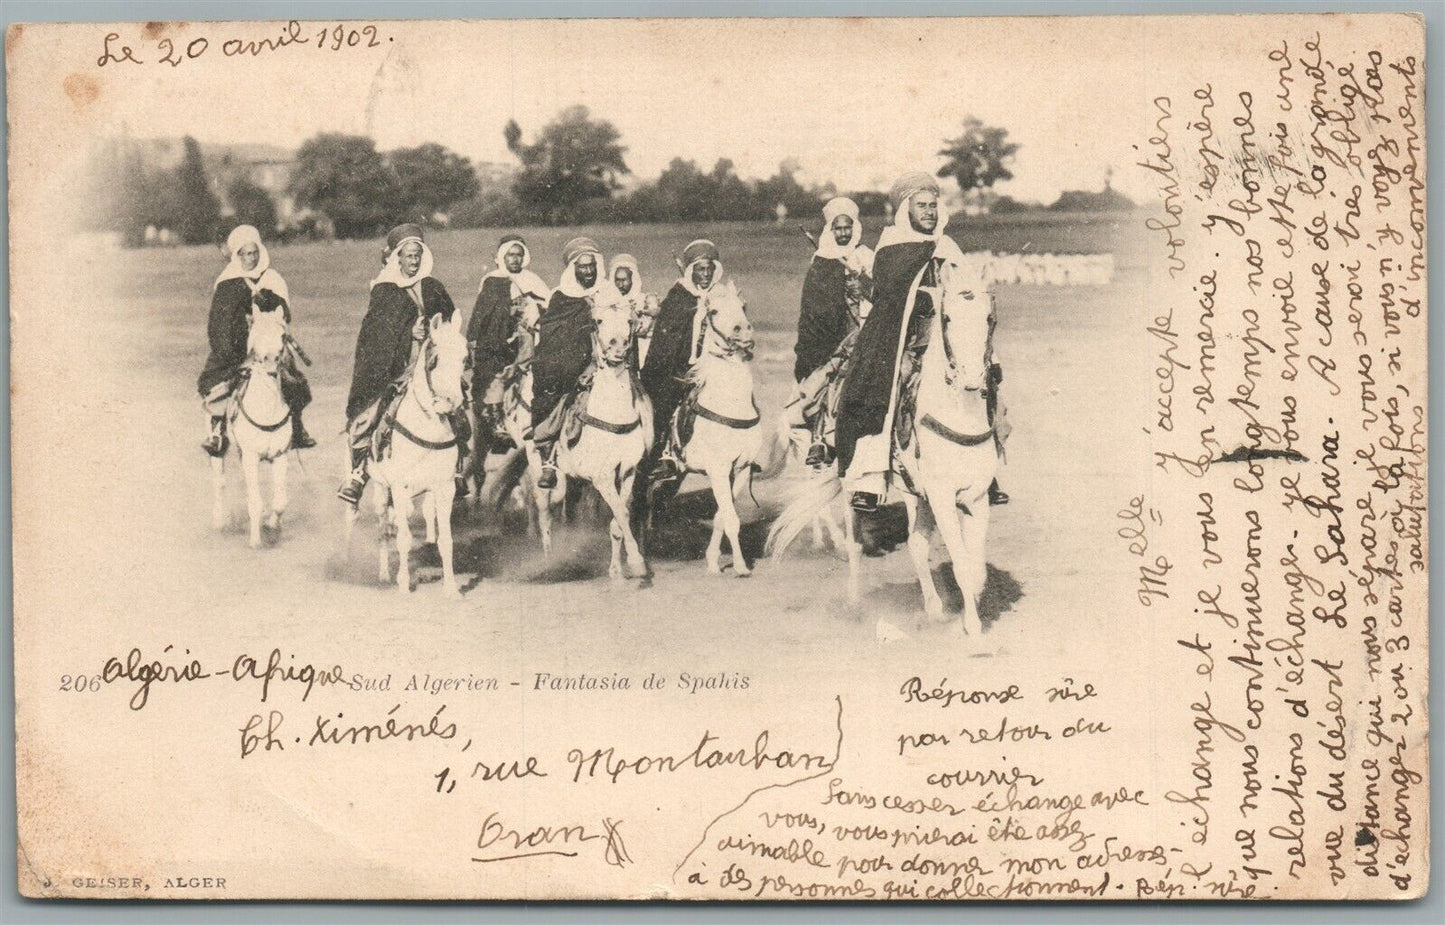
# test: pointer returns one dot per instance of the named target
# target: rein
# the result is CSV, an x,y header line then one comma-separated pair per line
x,y
734,423
932,423
400,428
730,347
426,370
241,407
619,429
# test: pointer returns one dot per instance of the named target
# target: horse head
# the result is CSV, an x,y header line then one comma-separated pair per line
x,y
445,362
612,338
728,324
267,338
967,327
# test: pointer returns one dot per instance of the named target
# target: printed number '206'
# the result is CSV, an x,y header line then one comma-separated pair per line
x,y
80,683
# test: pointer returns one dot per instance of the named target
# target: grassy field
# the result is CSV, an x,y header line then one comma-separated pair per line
x,y
1056,345
163,294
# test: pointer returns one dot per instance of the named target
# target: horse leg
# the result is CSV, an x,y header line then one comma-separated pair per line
x,y
279,496
727,512
382,500
855,555
920,541
218,492
973,576
622,512
401,517
960,553
251,467
429,514
442,501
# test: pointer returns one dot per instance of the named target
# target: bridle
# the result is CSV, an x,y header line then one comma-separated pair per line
x,y
269,366
952,371
729,346
428,362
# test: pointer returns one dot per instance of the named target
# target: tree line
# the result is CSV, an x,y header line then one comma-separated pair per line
x,y
571,172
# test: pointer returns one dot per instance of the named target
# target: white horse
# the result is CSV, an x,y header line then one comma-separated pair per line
x,y
727,440
260,426
616,430
949,463
422,457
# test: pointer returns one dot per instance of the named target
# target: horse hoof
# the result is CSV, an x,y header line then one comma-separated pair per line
x,y
744,572
452,593
713,569
973,626
254,543
934,609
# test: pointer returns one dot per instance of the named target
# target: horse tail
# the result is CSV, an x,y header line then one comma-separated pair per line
x,y
799,513
508,475
773,455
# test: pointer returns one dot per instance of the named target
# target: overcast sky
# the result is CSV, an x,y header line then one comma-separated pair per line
x,y
855,101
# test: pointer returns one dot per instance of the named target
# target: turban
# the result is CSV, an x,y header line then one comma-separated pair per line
x,y
828,245
401,233
701,249
628,262
261,275
840,205
506,244
909,184
576,248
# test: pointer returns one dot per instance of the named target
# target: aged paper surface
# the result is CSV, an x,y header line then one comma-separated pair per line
x,y
1202,666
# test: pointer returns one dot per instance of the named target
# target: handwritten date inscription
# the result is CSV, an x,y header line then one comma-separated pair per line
x,y
155,47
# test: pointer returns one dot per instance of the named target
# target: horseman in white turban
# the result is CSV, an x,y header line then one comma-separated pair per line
x,y
249,279
561,363
674,348
836,300
626,295
491,331
911,254
404,297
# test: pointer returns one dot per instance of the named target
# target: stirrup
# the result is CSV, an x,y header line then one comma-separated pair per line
x,y
547,478
215,445
997,496
819,455
352,489
666,470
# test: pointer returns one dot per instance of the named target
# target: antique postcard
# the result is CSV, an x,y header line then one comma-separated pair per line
x,y
732,459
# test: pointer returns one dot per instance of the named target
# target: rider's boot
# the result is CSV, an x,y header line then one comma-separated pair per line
x,y
996,495
668,467
300,439
547,478
215,443
864,502
496,419
351,490
461,426
819,454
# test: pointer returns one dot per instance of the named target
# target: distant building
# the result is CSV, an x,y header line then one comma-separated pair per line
x,y
266,166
